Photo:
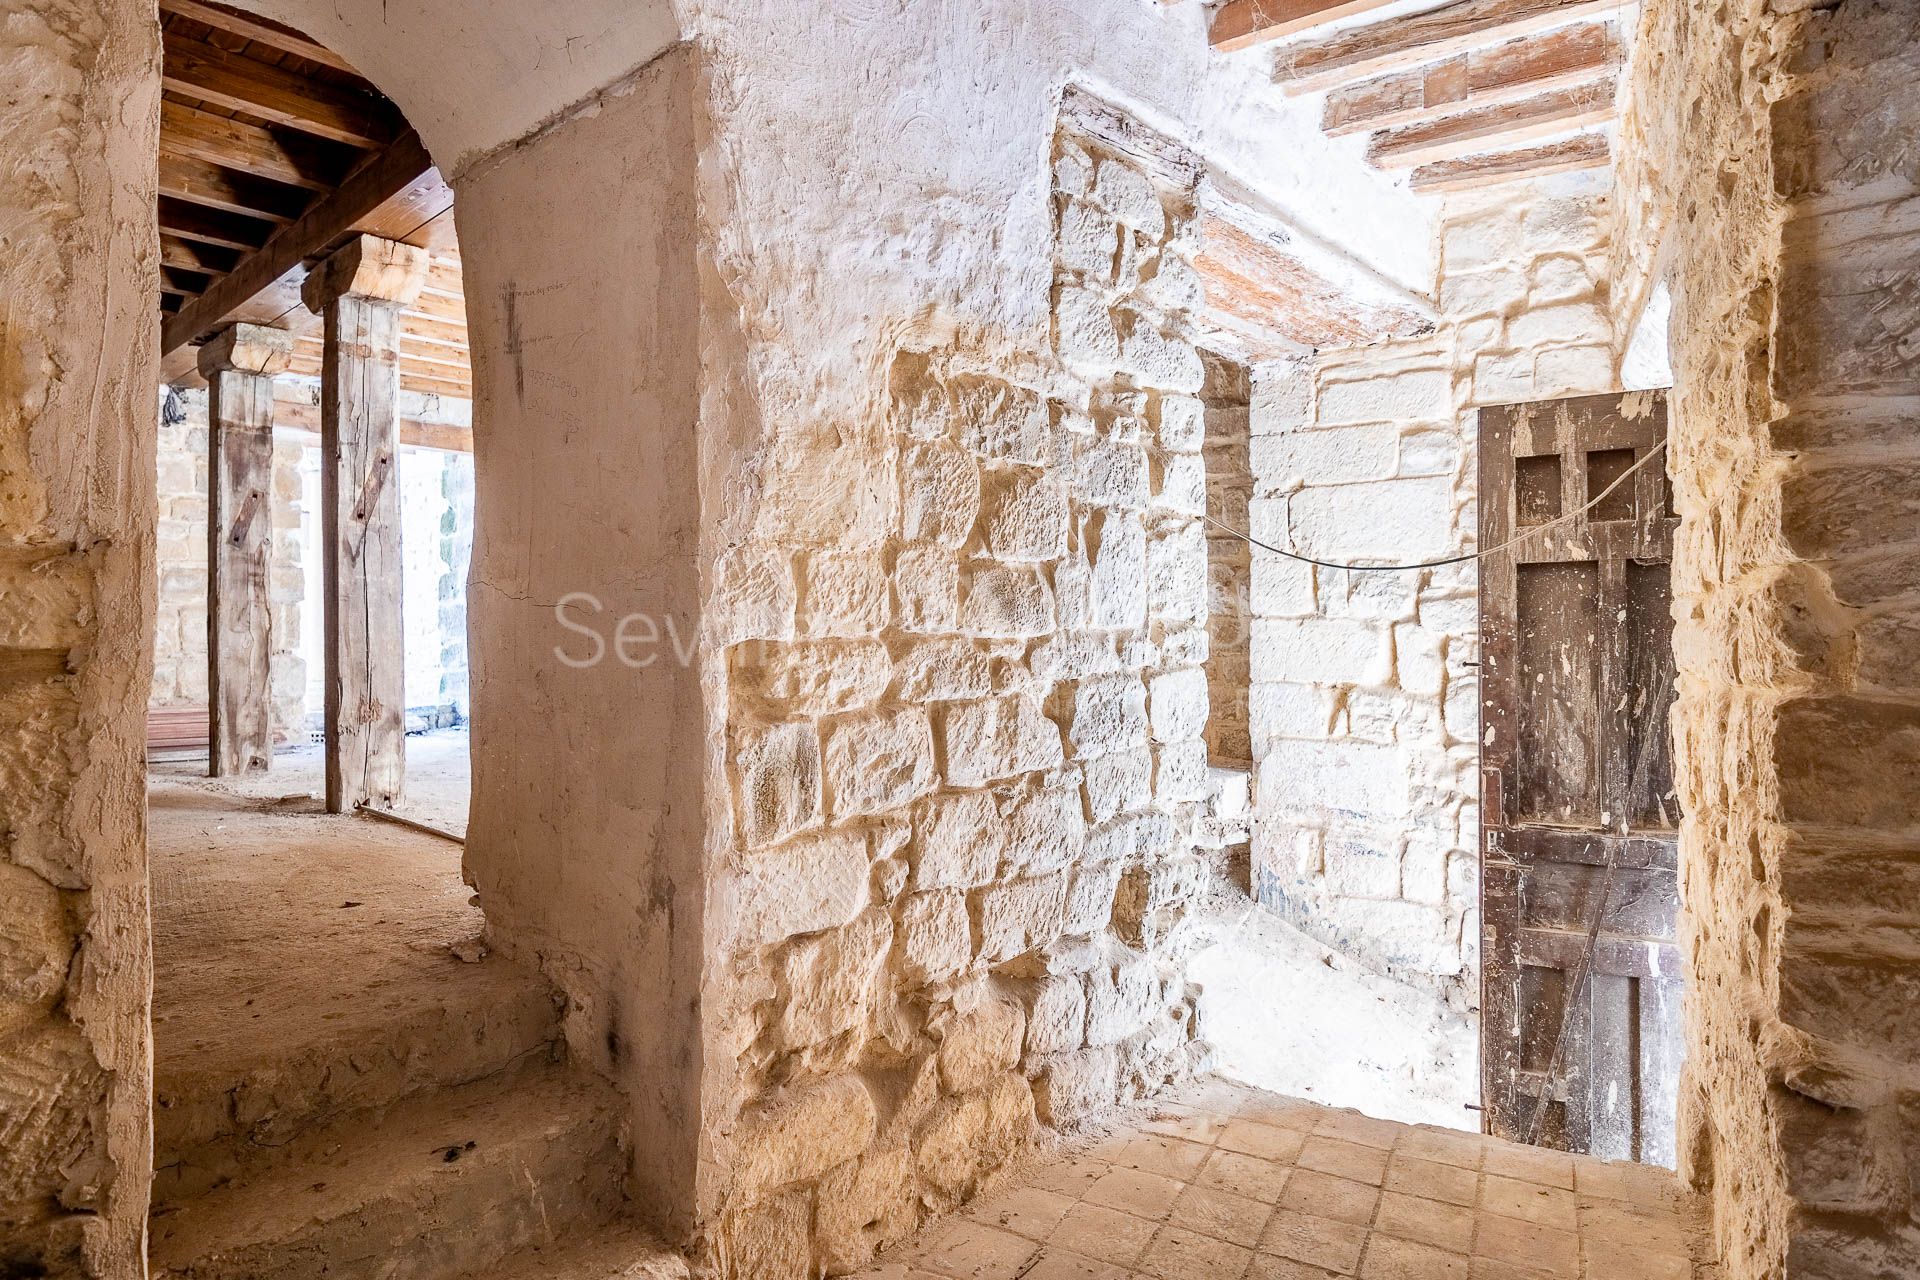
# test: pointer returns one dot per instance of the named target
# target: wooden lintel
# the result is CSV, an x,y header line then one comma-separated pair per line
x,y
342,113
303,421
1488,128
1509,71
1586,151
1419,38
1241,24
258,30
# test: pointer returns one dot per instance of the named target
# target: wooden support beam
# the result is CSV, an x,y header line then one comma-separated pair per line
x,y
1419,38
182,283
386,190
214,261
206,226
1509,71
197,182
282,155
1491,128
1241,24
357,117
258,30
1587,151
358,292
416,433
239,365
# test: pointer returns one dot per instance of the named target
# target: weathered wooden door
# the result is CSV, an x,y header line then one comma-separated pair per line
x,y
1580,986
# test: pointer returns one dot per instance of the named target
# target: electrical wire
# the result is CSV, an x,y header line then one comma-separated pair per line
x,y
1533,531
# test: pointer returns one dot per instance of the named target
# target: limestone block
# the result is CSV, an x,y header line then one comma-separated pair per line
x,y
1024,514
1574,370
1461,710
816,882
1126,193
1422,395
1177,573
936,935
1089,241
1090,897
36,946
1357,870
1558,277
1121,998
1105,714
802,1131
1003,422
1130,835
1564,323
1432,451
1040,830
1182,423
772,1238
1420,659
812,678
970,1136
981,1043
997,738
862,1207
1156,360
1117,550
926,587
1179,482
843,593
1175,284
1370,780
1178,701
942,668
1321,651
1503,379
1075,656
1117,782
1485,239
1424,869
1083,331
753,595
1284,462
952,844
1180,772
830,978
939,493
1384,596
1180,643
1074,1086
1392,716
1006,601
1072,170
777,789
1473,293
878,761
1016,917
1281,588
1110,473
1056,1020
41,713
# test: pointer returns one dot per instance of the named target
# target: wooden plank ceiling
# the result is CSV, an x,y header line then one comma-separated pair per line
x,y
273,152
1469,94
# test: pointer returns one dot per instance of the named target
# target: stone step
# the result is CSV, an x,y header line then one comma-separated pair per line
x,y
620,1252
440,1185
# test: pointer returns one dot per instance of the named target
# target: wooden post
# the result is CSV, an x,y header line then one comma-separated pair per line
x,y
239,364
359,292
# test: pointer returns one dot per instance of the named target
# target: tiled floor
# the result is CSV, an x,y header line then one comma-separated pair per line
x,y
1226,1183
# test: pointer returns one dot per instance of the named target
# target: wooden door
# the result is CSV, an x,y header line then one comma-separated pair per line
x,y
1580,985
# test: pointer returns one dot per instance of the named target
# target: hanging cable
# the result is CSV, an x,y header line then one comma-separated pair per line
x,y
1533,531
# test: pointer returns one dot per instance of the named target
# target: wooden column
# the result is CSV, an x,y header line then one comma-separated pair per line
x,y
239,364
358,292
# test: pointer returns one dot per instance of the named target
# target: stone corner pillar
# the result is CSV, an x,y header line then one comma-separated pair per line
x,y
359,292
239,363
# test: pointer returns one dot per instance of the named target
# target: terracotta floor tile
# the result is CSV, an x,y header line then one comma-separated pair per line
x,y
1388,1258
1444,1146
1325,1196
1106,1235
1143,1194
1434,1222
1320,1242
1351,1126
1028,1211
1530,1164
1176,1254
1527,1244
1058,1264
976,1251
1529,1202
1072,1177
1433,1181
1245,1175
1224,1215
1268,1142
1344,1159
1168,1156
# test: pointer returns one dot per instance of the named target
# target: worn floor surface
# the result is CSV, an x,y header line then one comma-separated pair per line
x,y
1227,1183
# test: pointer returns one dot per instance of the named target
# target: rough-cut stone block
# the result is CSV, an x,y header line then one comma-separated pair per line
x,y
939,493
1110,473
1017,917
1004,600
1128,195
778,792
1040,830
1180,772
936,935
817,882
1574,371
771,1239
1182,423
1568,323
843,593
997,738
1368,779
1362,870
753,596
968,1137
981,1043
943,668
878,761
1090,897
953,845
926,587
1121,997
812,678
862,1207
1178,702
1107,714
1420,659
1083,331
1392,521
801,1132
1089,241
1117,782
1332,455
830,980
1421,395
1056,1014
1156,360
1179,482
1025,515
1074,1086
1116,588
1321,651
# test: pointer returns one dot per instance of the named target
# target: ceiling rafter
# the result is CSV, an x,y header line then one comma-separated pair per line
x,y
342,113
1345,56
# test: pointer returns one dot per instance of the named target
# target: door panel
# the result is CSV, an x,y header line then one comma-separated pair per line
x,y
1580,989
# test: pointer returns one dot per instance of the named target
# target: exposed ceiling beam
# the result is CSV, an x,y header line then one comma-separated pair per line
x,y
1407,42
283,155
1587,151
300,419
342,113
258,30
444,332
215,261
1490,128
1241,24
395,194
206,226
1508,71
197,182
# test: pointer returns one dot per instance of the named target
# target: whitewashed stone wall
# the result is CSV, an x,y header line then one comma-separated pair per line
x,y
180,632
1364,699
968,757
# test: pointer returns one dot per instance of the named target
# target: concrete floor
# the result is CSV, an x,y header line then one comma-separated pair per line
x,y
1224,1182
437,785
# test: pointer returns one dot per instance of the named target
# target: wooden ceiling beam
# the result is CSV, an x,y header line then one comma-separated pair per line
x,y
441,332
182,283
197,182
208,226
284,155
258,30
1242,24
1356,54
304,419
1487,77
1492,128
1586,151
394,194
175,252
357,117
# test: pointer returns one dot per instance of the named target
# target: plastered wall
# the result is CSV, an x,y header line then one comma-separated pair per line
x,y
78,126
1769,176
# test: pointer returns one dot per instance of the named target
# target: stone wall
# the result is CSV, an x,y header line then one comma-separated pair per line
x,y
1226,395
1365,703
968,756
180,626
78,128
1769,168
